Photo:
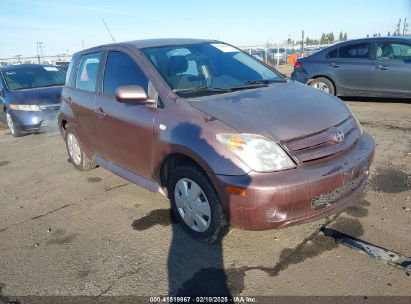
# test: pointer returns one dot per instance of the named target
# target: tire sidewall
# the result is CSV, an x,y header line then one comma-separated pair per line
x,y
218,225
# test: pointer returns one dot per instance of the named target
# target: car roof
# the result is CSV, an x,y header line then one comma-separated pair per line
x,y
146,43
371,39
15,67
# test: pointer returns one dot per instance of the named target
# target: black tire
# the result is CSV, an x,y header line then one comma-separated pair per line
x,y
323,80
85,163
14,130
218,225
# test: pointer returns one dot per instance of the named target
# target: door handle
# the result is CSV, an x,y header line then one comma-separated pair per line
x,y
334,65
100,111
382,67
68,100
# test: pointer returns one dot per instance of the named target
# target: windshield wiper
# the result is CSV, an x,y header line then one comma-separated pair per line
x,y
202,89
264,81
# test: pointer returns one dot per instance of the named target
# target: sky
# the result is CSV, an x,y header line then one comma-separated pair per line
x,y
64,26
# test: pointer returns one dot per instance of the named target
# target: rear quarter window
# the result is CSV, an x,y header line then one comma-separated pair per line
x,y
71,71
354,51
87,72
332,54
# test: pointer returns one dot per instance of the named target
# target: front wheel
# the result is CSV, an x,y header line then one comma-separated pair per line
x,y
14,130
323,84
196,204
78,157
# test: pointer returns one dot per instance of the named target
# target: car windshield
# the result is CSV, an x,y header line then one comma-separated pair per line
x,y
212,68
33,77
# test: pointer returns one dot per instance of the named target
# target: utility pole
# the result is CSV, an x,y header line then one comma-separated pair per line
x,y
39,51
266,50
405,28
302,43
18,58
398,30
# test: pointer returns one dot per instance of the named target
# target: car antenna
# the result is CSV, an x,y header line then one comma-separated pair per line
x,y
112,37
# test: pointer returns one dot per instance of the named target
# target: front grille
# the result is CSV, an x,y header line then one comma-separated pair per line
x,y
327,199
322,144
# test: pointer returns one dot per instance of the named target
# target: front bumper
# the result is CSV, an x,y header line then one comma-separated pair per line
x,y
30,121
311,191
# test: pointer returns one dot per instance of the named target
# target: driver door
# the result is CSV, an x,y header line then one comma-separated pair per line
x,y
125,129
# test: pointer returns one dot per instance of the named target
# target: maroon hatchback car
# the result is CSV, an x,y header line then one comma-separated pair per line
x,y
229,140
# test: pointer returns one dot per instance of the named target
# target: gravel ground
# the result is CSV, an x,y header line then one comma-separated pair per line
x,y
70,233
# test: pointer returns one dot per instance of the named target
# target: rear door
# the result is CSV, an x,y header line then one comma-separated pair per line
x,y
392,69
81,100
352,70
125,129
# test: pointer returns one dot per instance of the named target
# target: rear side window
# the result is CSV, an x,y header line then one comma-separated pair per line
x,y
71,71
87,72
389,50
354,51
333,54
122,70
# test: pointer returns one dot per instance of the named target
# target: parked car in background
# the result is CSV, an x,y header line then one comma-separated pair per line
x,y
229,140
259,54
378,67
277,55
62,65
30,96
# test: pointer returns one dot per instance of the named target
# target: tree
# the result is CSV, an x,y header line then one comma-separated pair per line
x,y
379,34
389,34
345,36
331,38
368,35
341,37
322,40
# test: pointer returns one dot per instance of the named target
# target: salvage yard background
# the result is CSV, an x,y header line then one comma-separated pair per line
x,y
63,232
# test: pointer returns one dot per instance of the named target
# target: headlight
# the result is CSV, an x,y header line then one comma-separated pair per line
x,y
257,152
25,107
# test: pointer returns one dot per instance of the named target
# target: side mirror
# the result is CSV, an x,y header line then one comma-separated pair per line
x,y
133,94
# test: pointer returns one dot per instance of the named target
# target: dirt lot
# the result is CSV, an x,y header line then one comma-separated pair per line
x,y
64,232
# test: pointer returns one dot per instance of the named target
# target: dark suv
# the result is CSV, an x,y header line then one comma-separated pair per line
x,y
225,137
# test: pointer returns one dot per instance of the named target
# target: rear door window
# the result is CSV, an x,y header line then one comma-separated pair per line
x,y
87,72
392,51
355,51
122,70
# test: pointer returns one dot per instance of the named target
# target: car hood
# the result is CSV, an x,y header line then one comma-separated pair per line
x,y
38,96
280,111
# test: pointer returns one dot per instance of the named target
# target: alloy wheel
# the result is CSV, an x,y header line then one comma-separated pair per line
x,y
10,123
321,86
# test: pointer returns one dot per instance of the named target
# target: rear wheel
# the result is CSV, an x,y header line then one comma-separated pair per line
x,y
196,204
78,157
14,130
323,84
